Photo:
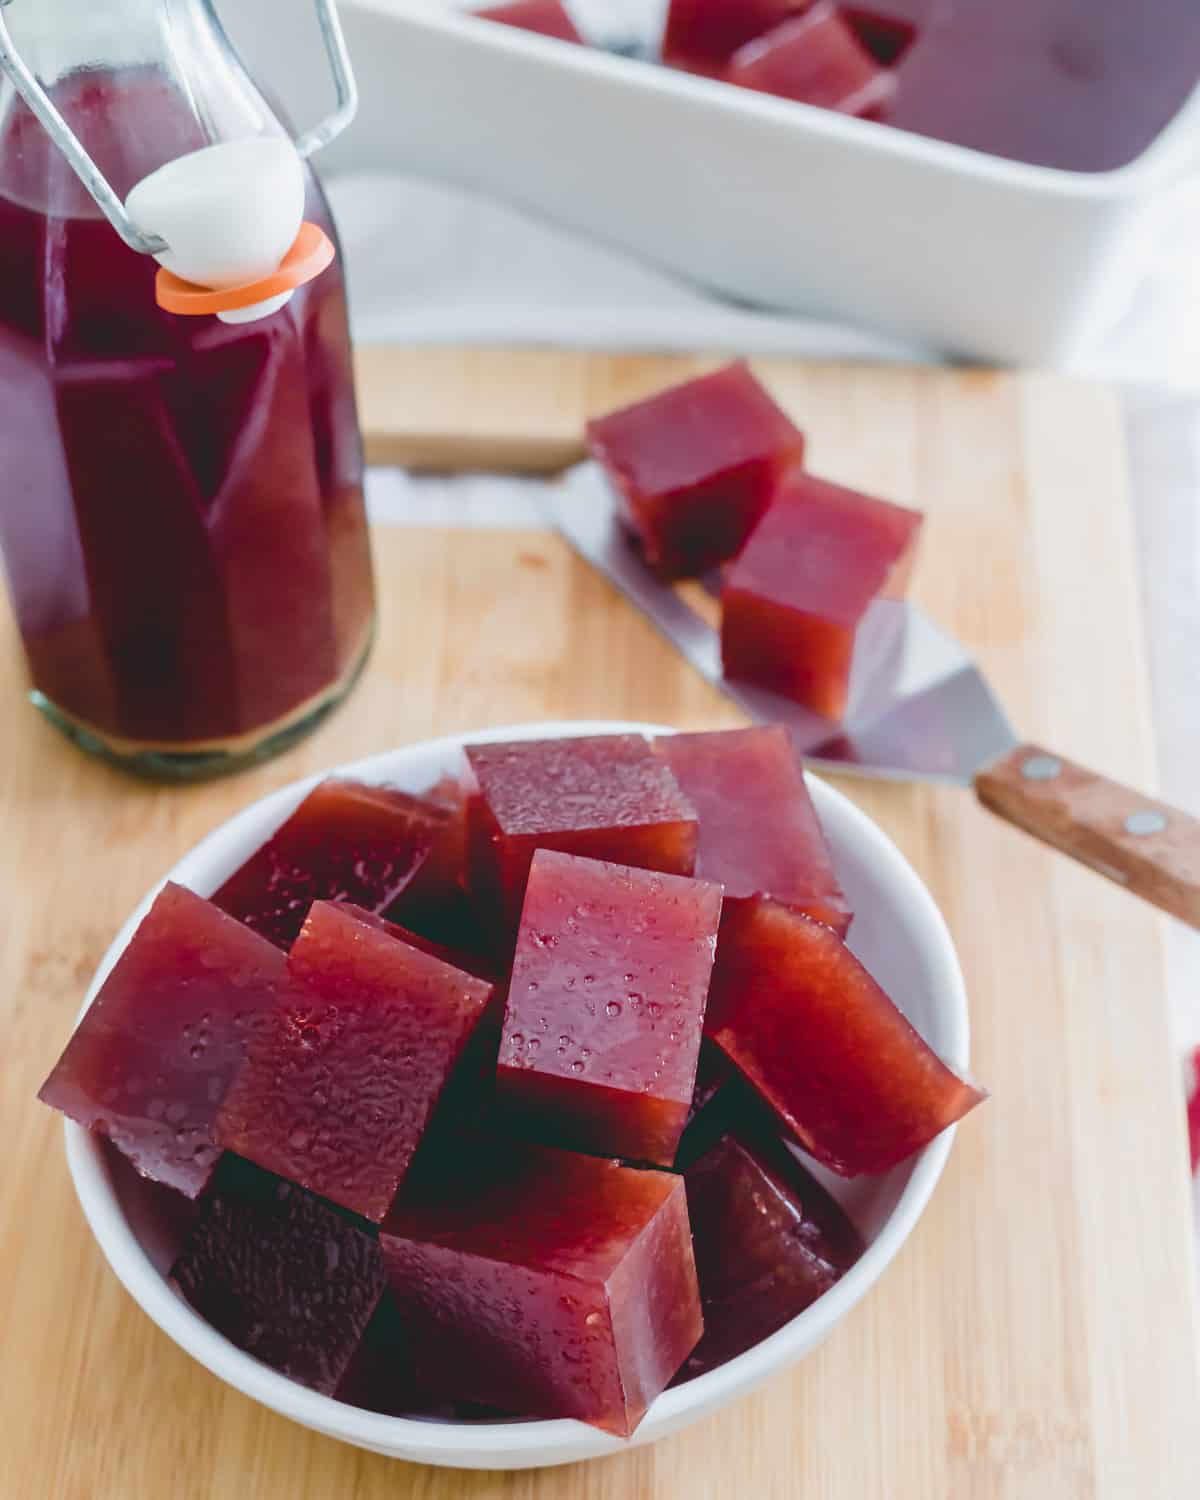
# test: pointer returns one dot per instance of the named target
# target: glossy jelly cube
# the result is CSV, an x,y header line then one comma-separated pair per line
x,y
380,1377
603,797
816,59
606,1006
546,1284
282,1275
695,467
342,1080
345,842
885,34
149,1064
434,902
823,1046
547,16
768,1241
795,599
702,35
465,1104
759,833
1194,1112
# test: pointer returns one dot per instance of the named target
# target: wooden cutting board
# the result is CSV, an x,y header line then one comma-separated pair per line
x,y
1036,1340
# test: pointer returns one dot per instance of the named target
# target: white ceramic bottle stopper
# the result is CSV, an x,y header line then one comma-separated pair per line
x,y
230,214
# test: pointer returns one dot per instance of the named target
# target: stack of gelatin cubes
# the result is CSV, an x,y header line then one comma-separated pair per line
x,y
838,57
479,1099
710,475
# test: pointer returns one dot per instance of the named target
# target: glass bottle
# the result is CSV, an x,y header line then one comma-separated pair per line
x,y
181,501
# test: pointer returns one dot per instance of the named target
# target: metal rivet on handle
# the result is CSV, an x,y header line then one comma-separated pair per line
x,y
1148,821
1041,768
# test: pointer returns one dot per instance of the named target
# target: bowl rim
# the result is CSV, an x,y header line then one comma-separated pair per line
x,y
461,1443
1166,155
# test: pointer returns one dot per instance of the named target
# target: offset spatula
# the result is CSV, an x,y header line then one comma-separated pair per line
x,y
920,710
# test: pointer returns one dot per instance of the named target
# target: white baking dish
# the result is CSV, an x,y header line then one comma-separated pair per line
x,y
768,201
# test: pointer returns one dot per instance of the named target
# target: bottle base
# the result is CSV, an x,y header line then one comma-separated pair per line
x,y
203,761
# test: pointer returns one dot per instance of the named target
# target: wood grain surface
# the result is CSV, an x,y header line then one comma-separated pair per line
x,y
1036,1340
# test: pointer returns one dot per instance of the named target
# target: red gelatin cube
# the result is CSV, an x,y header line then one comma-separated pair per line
x,y
546,1284
602,797
702,35
149,1064
282,1275
340,1084
547,16
695,467
434,902
1194,1112
465,1103
768,1241
823,1046
606,1006
886,36
759,833
345,842
796,598
816,59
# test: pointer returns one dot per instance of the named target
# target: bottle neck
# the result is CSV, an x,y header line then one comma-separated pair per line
x,y
139,81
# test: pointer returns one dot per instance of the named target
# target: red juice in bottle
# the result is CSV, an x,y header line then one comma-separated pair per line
x,y
181,506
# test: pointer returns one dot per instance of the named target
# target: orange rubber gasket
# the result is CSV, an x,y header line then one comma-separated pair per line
x,y
310,254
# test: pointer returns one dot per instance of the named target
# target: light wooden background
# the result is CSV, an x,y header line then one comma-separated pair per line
x,y
1036,1340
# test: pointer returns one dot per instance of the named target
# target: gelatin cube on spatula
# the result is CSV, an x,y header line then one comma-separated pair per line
x,y
345,842
342,1080
702,35
816,59
695,467
544,1283
606,1006
547,16
150,1063
823,1046
282,1275
600,796
795,600
768,1240
759,831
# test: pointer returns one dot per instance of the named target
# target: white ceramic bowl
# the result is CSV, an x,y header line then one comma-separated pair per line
x,y
898,933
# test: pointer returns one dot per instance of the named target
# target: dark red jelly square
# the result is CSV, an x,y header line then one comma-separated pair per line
x,y
434,902
465,1104
886,35
816,59
695,467
702,35
602,797
545,1284
606,1006
149,1064
759,832
282,1275
823,1046
547,16
795,599
345,842
768,1240
342,1080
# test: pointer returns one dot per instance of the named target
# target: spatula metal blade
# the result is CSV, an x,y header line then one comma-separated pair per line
x,y
920,709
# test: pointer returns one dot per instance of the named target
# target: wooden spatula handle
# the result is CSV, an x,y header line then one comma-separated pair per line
x,y
1151,848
